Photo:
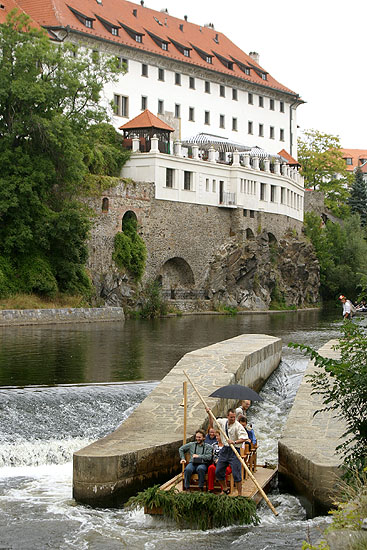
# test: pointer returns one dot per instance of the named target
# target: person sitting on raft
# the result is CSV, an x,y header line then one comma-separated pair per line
x,y
243,408
250,432
200,456
210,437
211,468
236,435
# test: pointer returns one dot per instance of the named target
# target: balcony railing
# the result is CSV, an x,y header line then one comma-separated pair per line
x,y
227,199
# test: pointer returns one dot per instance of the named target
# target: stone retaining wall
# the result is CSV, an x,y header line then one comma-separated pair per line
x,y
144,449
307,448
64,315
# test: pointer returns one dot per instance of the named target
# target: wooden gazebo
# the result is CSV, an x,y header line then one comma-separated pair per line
x,y
145,126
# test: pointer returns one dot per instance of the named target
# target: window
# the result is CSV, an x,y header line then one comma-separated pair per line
x,y
144,69
161,74
271,104
271,132
282,195
250,127
186,52
281,106
192,83
207,184
177,79
250,99
169,177
207,117
234,94
187,180
191,114
121,104
245,212
88,23
262,191
138,38
348,161
264,76
177,110
164,46
105,205
122,62
261,130
207,87
272,193
214,185
222,91
160,106
114,31
252,213
144,102
209,59
221,121
281,134
234,125
261,101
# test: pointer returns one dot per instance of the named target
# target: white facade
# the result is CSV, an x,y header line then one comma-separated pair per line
x,y
259,116
192,180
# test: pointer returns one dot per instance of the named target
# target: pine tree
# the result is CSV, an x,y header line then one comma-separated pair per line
x,y
358,196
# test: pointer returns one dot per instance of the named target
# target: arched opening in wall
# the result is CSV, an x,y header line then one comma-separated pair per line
x,y
105,205
177,279
272,239
128,219
249,234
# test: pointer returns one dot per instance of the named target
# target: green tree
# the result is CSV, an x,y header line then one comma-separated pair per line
x,y
324,169
358,196
51,138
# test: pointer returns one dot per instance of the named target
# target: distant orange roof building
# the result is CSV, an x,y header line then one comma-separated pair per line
x,y
290,160
354,158
6,6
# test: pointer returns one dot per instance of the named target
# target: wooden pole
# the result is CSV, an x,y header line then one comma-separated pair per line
x,y
233,447
185,421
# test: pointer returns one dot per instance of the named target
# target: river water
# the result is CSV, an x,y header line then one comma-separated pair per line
x,y
63,386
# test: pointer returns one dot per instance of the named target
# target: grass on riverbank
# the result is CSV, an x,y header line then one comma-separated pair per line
x,y
32,301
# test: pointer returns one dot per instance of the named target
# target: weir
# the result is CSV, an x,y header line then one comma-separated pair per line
x,y
308,462
144,449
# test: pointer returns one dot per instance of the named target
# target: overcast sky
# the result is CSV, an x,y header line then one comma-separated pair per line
x,y
316,48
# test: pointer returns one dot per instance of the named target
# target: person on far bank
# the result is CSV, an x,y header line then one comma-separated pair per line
x,y
200,457
243,408
347,307
236,435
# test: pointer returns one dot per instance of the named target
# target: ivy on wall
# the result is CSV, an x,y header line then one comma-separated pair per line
x,y
130,251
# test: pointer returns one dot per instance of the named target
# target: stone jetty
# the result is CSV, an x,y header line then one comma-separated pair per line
x,y
13,317
144,449
307,448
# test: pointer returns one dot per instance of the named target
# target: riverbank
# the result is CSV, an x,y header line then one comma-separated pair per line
x,y
19,317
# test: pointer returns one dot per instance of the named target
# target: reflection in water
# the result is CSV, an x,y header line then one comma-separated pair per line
x,y
134,350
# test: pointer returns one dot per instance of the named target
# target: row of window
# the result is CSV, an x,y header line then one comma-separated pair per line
x,y
287,197
121,107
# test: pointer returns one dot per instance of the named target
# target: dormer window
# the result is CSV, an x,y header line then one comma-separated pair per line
x,y
226,62
110,27
163,44
209,59
84,19
204,55
264,76
114,31
137,36
244,68
349,161
181,48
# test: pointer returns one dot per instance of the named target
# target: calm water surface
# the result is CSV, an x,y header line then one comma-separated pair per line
x,y
62,387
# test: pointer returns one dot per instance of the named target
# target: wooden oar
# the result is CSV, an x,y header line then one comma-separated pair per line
x,y
185,423
233,447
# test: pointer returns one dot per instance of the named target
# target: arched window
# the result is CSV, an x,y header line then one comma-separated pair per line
x,y
105,204
128,219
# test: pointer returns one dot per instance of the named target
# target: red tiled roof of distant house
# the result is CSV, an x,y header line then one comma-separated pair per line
x,y
10,5
127,16
146,119
290,160
358,157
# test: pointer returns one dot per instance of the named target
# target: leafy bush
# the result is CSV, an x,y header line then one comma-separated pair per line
x,y
153,303
197,510
342,384
6,277
36,276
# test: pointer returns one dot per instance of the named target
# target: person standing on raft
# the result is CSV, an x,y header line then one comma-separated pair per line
x,y
236,436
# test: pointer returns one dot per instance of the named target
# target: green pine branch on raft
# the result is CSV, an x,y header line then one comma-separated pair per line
x,y
197,510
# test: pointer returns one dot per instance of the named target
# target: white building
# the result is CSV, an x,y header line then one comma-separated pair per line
x,y
190,75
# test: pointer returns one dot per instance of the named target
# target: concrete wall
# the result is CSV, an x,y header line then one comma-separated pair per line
x,y
65,315
144,449
307,448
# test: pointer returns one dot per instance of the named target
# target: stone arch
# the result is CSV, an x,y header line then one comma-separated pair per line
x,y
105,205
129,215
249,234
177,278
272,238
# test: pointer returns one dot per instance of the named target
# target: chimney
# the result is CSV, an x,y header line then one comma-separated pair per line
x,y
142,3
185,17
255,56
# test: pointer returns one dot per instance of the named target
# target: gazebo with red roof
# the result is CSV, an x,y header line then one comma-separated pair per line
x,y
145,126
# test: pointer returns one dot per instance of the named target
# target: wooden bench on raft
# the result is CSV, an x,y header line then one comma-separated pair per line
x,y
249,455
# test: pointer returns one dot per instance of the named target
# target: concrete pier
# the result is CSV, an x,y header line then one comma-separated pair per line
x,y
144,449
307,448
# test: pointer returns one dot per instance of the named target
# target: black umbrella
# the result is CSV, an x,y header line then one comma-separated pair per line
x,y
236,391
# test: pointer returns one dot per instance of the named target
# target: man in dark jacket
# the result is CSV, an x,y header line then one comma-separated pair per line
x,y
200,456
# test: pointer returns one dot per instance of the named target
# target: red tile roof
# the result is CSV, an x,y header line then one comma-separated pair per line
x,y
56,13
290,160
357,155
146,119
10,5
